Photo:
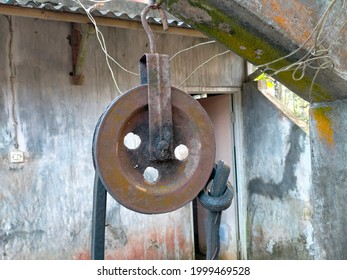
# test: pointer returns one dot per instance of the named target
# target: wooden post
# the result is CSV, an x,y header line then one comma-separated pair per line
x,y
79,45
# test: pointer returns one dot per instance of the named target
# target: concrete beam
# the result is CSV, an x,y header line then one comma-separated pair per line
x,y
262,31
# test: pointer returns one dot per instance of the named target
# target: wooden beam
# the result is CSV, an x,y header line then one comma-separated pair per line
x,y
211,89
79,18
79,44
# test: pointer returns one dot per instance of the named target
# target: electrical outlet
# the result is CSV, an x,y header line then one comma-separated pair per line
x,y
17,157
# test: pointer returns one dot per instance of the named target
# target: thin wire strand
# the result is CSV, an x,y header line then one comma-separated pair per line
x,y
338,33
102,43
306,41
334,24
314,50
201,65
317,57
190,48
100,1
328,64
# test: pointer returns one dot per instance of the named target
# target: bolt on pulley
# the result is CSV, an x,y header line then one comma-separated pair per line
x,y
154,146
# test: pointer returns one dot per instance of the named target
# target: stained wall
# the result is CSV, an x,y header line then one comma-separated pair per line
x,y
329,168
278,168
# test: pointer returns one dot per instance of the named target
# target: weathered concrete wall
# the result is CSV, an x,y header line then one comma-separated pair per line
x,y
46,202
328,128
278,173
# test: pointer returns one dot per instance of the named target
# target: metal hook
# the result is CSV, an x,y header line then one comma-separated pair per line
x,y
148,29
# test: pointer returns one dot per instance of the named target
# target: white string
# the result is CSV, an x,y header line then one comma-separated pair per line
x,y
101,40
340,30
317,54
201,65
102,43
192,47
334,24
100,1
110,57
308,38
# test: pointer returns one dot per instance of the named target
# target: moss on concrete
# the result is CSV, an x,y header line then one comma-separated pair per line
x,y
290,250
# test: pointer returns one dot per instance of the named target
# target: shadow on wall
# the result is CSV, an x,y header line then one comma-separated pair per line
x,y
289,180
279,207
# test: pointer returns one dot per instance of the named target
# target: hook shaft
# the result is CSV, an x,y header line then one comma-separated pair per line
x,y
146,27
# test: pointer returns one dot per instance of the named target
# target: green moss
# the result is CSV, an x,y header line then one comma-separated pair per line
x,y
249,234
236,38
323,110
293,250
302,88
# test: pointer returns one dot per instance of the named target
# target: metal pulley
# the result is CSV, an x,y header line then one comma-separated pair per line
x,y
154,146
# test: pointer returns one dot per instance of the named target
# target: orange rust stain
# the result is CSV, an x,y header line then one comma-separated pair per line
x,y
283,22
82,256
170,239
275,5
306,34
153,245
292,18
324,126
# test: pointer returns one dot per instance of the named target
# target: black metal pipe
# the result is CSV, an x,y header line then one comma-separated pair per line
x,y
98,220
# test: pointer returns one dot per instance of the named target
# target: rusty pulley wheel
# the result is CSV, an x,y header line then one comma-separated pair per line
x,y
122,160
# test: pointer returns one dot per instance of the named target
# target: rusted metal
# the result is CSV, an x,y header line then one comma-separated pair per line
x,y
148,30
163,18
156,73
122,169
146,27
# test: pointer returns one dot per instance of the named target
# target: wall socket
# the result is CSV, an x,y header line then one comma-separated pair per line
x,y
17,157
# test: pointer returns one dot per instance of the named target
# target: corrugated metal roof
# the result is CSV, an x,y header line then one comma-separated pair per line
x,y
123,10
